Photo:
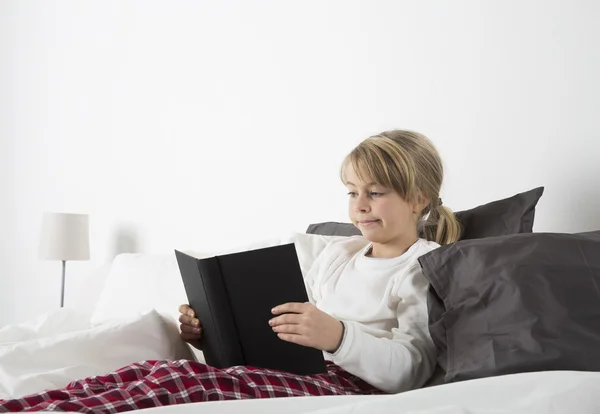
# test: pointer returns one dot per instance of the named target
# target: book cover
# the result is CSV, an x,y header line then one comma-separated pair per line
x,y
233,295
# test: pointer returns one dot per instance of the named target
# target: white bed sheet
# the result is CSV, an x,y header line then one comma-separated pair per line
x,y
60,347
550,392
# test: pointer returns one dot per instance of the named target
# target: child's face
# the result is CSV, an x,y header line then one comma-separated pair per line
x,y
380,213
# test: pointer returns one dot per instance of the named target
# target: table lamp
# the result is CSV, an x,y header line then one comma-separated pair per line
x,y
64,237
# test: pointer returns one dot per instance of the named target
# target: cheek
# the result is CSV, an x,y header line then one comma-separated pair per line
x,y
387,209
394,212
351,212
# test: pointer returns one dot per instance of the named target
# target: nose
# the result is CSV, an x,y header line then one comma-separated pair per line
x,y
361,204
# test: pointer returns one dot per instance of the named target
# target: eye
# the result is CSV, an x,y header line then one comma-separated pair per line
x,y
352,194
375,194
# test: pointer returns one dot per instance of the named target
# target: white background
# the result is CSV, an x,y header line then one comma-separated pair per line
x,y
197,124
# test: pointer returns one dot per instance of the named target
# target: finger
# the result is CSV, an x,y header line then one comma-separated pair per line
x,y
185,319
295,307
190,337
290,329
290,318
293,338
185,309
190,329
188,320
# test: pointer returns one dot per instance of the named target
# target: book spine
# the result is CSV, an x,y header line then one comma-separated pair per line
x,y
225,338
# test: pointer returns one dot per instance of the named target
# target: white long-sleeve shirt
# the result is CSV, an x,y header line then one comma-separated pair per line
x,y
383,305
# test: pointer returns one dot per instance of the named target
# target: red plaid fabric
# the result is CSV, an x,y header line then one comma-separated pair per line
x,y
158,383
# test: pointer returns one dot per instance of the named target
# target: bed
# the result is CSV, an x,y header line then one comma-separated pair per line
x,y
531,393
492,359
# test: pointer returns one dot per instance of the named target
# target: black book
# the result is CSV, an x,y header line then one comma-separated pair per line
x,y
233,295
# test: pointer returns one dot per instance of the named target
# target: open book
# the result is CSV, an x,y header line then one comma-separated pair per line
x,y
233,295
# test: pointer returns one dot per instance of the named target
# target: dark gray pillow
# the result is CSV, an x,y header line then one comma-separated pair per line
x,y
508,216
518,303
333,228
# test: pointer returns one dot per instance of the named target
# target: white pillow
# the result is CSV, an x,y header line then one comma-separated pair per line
x,y
141,282
137,283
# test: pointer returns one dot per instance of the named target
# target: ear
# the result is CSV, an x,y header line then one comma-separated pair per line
x,y
420,203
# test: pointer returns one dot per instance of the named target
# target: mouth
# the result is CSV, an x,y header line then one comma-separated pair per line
x,y
367,222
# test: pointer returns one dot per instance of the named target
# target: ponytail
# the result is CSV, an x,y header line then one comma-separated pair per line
x,y
441,225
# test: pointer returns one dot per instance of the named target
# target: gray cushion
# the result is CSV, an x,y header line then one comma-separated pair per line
x,y
333,228
518,303
507,216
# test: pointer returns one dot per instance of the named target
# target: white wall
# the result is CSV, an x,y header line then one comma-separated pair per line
x,y
200,124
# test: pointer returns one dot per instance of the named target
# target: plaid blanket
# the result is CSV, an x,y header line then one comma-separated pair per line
x,y
157,383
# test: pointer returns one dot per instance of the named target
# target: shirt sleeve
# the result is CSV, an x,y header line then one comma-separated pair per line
x,y
312,272
320,254
405,359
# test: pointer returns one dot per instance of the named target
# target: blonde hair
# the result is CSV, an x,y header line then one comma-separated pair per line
x,y
409,163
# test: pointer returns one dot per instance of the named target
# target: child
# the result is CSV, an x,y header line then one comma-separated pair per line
x,y
368,304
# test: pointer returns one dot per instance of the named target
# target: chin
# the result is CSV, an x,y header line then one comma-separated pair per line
x,y
372,236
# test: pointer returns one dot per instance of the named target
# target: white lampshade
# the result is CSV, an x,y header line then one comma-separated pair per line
x,y
65,237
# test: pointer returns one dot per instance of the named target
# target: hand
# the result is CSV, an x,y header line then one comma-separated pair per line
x,y
306,325
191,330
